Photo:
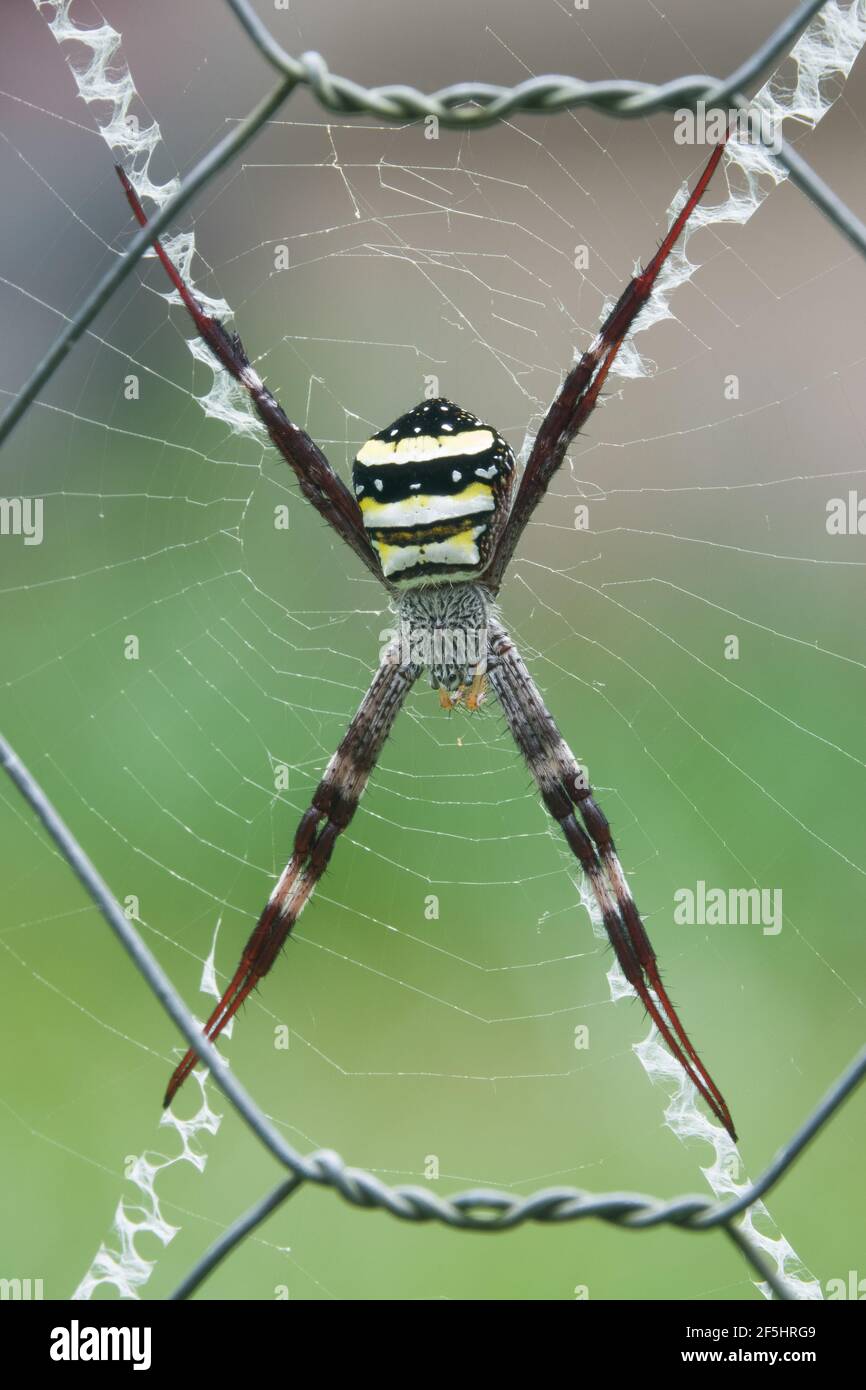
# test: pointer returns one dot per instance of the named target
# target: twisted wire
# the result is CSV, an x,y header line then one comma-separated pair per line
x,y
461,105
474,1210
465,104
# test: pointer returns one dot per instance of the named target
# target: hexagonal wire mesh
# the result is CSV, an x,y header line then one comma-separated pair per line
x,y
460,106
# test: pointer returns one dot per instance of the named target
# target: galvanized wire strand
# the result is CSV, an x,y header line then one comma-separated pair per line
x,y
551,1205
463,105
838,1093
474,1210
547,94
94,884
803,176
756,1258
548,1205
232,1236
474,104
212,162
482,103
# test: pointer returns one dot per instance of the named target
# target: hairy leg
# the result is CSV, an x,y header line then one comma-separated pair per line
x,y
332,808
319,483
567,795
578,395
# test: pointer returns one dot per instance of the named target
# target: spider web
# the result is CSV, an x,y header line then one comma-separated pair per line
x,y
187,644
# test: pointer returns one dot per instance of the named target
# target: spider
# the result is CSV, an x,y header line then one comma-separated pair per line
x,y
431,515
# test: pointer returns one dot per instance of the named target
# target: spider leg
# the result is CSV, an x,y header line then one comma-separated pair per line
x,y
319,483
578,395
564,790
332,808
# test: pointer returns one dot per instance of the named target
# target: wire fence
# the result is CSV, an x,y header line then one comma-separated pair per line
x,y
462,105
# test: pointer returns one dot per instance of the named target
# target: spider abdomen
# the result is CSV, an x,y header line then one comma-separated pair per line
x,y
433,490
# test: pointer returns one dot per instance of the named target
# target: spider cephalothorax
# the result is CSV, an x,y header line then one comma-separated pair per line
x,y
431,520
445,628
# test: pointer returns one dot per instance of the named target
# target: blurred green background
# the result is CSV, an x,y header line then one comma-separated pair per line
x,y
410,1037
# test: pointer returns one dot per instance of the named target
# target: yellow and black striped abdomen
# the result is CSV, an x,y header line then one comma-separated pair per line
x,y
433,490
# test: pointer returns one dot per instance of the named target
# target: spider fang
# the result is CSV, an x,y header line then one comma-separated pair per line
x,y
471,696
477,693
